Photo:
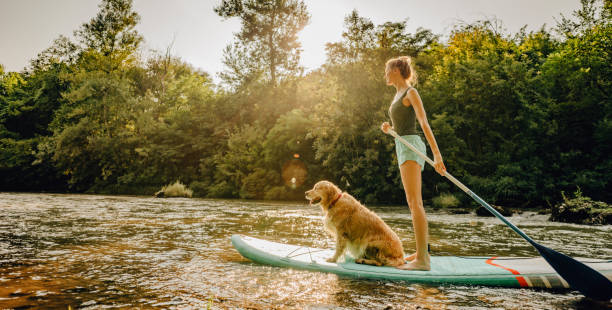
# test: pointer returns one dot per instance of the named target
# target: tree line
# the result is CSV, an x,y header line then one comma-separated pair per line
x,y
519,117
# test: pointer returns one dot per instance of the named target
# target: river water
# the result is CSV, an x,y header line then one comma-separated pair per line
x,y
92,252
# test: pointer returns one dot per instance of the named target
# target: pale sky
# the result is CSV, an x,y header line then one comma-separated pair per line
x,y
29,26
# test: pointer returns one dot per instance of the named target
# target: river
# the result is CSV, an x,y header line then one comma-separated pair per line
x,y
94,251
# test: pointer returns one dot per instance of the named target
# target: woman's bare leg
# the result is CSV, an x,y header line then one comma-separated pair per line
x,y
411,178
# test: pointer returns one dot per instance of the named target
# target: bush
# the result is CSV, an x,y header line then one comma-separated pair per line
x,y
445,200
581,210
277,193
177,189
256,184
200,189
221,190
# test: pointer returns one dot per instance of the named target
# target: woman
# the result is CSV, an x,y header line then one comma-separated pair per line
x,y
405,110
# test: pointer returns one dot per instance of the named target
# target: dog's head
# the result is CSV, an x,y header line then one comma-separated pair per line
x,y
324,192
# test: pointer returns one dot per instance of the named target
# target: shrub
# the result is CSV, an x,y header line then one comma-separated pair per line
x,y
445,200
177,189
255,185
581,210
277,193
200,189
221,190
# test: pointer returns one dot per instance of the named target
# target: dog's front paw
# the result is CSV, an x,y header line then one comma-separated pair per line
x,y
331,260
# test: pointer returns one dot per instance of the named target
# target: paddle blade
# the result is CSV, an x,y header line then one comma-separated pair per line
x,y
579,276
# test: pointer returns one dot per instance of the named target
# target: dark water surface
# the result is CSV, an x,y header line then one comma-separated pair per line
x,y
89,251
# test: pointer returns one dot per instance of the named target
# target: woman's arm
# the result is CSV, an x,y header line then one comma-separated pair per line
x,y
413,98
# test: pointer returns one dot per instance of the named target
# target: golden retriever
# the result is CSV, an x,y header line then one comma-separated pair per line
x,y
356,228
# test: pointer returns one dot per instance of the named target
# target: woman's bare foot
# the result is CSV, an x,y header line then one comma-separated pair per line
x,y
416,264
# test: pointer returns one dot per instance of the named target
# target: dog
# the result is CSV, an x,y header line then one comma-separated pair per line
x,y
356,229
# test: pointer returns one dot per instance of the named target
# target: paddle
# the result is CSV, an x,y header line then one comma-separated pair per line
x,y
579,276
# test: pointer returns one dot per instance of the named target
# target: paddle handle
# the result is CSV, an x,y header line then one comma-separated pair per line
x,y
464,188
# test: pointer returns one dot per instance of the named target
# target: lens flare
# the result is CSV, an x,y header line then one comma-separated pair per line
x,y
294,172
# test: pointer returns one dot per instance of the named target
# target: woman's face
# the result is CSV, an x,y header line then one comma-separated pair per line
x,y
390,75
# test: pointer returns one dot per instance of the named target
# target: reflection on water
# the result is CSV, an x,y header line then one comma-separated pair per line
x,y
92,251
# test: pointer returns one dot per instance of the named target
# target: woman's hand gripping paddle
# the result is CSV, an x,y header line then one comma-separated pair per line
x,y
578,275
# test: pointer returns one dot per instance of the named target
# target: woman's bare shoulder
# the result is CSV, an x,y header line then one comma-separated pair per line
x,y
411,95
412,92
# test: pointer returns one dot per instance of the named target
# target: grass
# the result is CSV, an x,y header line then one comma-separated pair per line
x,y
177,189
445,200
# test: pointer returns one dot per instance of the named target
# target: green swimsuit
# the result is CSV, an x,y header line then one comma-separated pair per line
x,y
403,120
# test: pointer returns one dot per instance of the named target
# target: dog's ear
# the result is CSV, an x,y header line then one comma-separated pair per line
x,y
330,191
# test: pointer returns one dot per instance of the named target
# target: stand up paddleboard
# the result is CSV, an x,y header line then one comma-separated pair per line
x,y
465,270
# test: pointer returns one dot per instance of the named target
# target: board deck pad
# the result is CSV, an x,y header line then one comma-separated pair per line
x,y
464,270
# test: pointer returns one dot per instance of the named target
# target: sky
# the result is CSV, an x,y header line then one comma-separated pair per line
x,y
198,35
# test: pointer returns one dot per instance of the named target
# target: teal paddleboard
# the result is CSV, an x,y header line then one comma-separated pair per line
x,y
464,270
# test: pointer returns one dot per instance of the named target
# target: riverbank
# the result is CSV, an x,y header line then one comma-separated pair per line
x,y
579,210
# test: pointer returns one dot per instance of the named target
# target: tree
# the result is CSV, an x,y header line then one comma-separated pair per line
x,y
357,39
90,143
577,77
489,115
347,139
62,51
27,104
112,30
590,14
268,38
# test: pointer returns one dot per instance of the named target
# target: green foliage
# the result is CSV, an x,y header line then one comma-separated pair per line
x,y
267,43
176,189
257,183
221,189
518,118
581,210
592,13
112,32
199,188
493,121
347,140
21,170
282,193
445,200
578,76
289,137
242,158
27,104
61,52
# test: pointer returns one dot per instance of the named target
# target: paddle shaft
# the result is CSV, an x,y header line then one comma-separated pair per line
x,y
464,188
580,276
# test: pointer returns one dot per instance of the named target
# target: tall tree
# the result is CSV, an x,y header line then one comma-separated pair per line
x,y
90,144
63,51
347,138
112,29
590,14
268,37
357,39
577,77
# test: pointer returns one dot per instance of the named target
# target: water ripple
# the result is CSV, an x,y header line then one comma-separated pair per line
x,y
93,252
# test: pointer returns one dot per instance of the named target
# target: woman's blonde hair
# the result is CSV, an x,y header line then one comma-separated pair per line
x,y
404,64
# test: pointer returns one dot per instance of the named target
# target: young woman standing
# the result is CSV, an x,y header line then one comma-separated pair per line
x,y
405,110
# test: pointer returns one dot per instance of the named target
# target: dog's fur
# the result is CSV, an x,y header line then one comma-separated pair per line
x,y
356,228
